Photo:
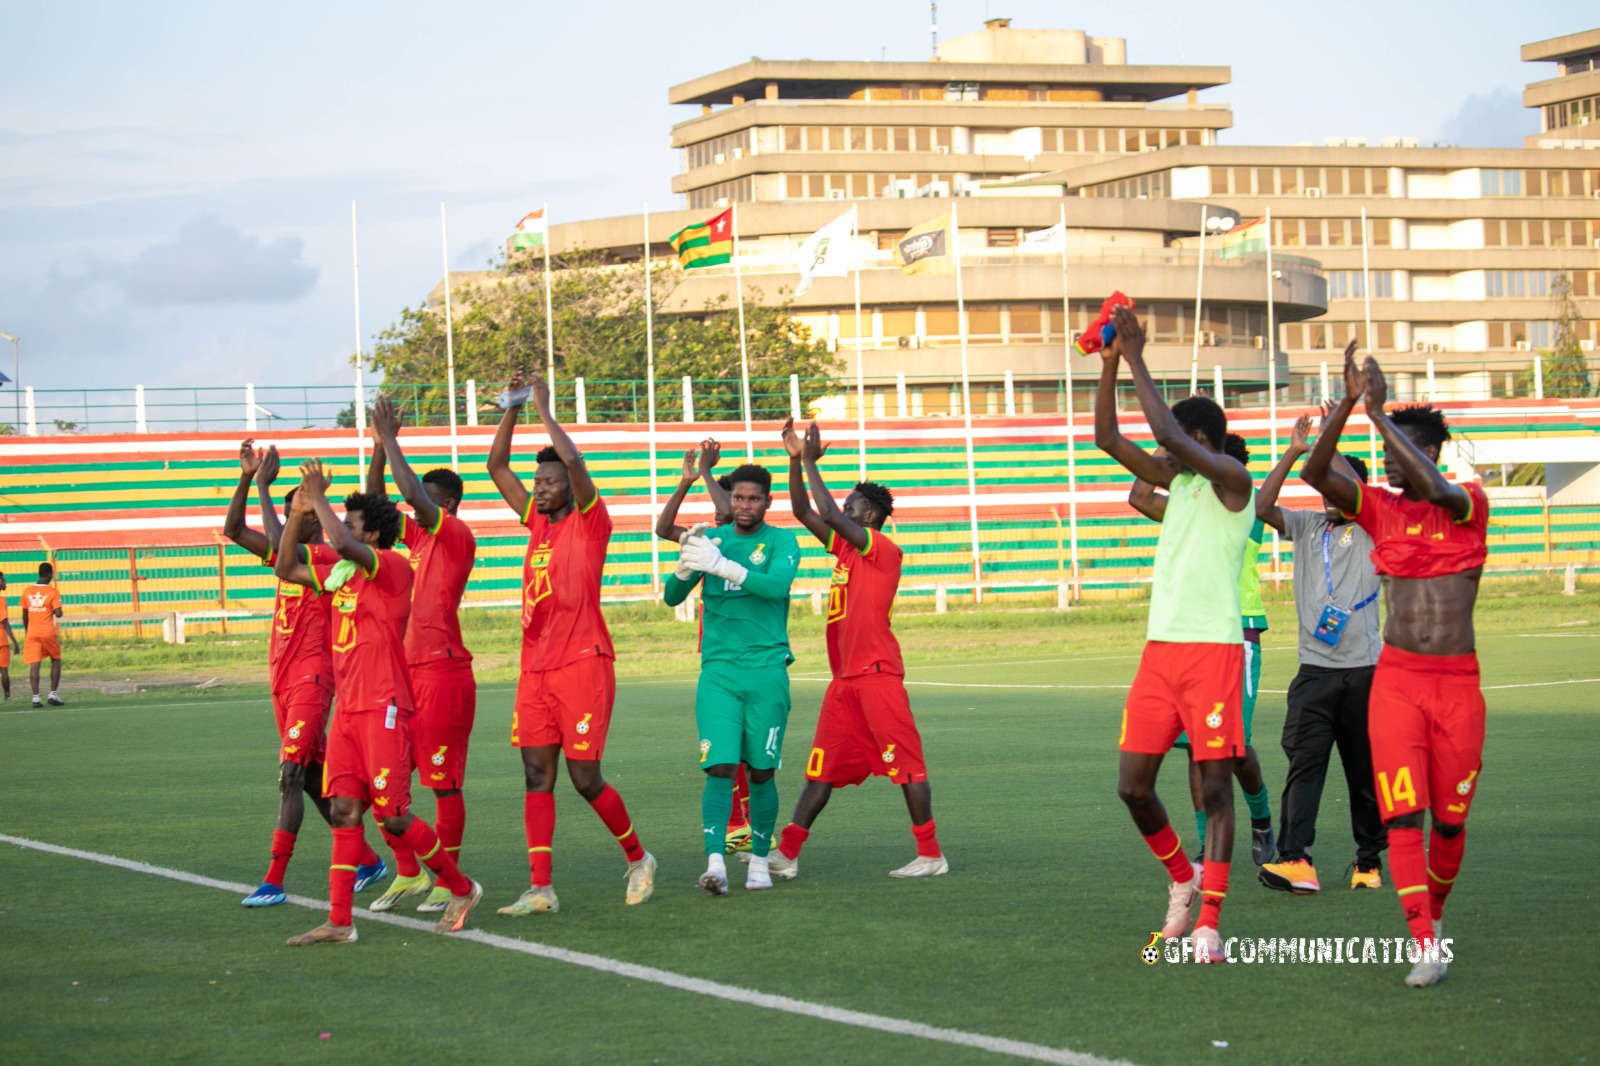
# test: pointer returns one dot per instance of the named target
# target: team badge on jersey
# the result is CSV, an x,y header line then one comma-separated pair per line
x,y
705,750
294,730
1214,719
583,726
1464,787
888,753
758,556
1348,537
381,782
437,758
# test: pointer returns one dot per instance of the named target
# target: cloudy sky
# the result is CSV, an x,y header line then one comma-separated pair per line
x,y
176,179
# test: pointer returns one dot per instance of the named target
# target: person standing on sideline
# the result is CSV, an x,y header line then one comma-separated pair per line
x,y
41,606
10,644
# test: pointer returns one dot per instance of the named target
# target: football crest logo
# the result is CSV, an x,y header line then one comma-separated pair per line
x,y
888,753
1214,719
758,556
705,749
1465,786
1150,954
294,730
382,780
437,758
1348,537
583,726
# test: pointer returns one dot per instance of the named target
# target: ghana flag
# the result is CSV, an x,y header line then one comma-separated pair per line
x,y
1244,239
704,244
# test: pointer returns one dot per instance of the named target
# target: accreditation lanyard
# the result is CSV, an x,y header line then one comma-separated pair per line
x,y
1327,573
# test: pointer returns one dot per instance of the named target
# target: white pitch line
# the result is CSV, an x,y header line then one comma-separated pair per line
x,y
681,982
1544,684
975,684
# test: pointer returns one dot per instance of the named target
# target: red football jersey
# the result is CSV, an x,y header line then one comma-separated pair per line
x,y
860,601
561,619
369,634
1415,538
441,560
299,650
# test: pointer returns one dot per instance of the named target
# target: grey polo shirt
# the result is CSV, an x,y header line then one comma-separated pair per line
x,y
1354,579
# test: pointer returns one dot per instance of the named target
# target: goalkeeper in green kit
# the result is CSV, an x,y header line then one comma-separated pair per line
x,y
741,705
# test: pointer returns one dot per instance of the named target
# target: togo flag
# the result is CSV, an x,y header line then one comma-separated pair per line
x,y
1053,239
1244,239
927,249
826,253
708,243
531,232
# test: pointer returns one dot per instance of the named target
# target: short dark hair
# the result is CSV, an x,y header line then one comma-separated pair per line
x,y
1234,445
1204,414
46,571
1427,419
446,479
1358,466
288,497
378,514
758,475
726,482
548,454
881,499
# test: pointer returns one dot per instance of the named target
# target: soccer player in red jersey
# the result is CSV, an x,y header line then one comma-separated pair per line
x,y
568,682
300,666
442,553
368,759
865,727
1191,673
1426,713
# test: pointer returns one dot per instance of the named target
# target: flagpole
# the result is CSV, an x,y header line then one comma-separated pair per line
x,y
360,406
1072,439
449,339
549,314
966,408
744,354
650,397
1199,287
861,409
1366,295
1272,381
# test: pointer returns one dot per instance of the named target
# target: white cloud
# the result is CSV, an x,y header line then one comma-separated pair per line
x,y
212,262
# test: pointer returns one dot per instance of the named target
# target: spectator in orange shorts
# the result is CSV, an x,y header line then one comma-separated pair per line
x,y
41,606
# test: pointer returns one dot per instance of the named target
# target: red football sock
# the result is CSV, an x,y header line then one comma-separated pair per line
x,y
1444,862
368,856
740,818
421,839
1166,846
405,860
539,822
927,840
342,873
612,811
450,821
791,840
1409,868
282,852
1213,888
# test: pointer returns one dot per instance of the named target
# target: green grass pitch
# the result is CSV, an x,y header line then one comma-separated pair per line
x,y
1034,936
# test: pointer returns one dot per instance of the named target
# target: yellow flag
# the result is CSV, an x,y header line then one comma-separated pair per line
x,y
928,249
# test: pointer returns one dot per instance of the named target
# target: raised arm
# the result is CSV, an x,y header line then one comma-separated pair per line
x,y
1267,508
512,490
721,504
289,566
1225,472
233,526
1319,471
667,527
1144,498
798,501
374,485
1108,435
386,419
578,479
269,512
827,508
314,483
1421,472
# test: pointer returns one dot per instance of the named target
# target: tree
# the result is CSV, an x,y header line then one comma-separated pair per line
x,y
1566,371
599,327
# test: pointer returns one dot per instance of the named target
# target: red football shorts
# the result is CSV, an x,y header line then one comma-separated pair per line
x,y
301,711
1425,720
866,728
569,706
446,694
1193,688
369,759
38,649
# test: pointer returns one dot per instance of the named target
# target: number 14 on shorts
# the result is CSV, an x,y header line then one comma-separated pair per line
x,y
1401,790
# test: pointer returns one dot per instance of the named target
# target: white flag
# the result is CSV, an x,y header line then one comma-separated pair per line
x,y
1053,239
826,253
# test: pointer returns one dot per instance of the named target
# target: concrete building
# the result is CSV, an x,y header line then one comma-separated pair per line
x,y
1012,125
1568,104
